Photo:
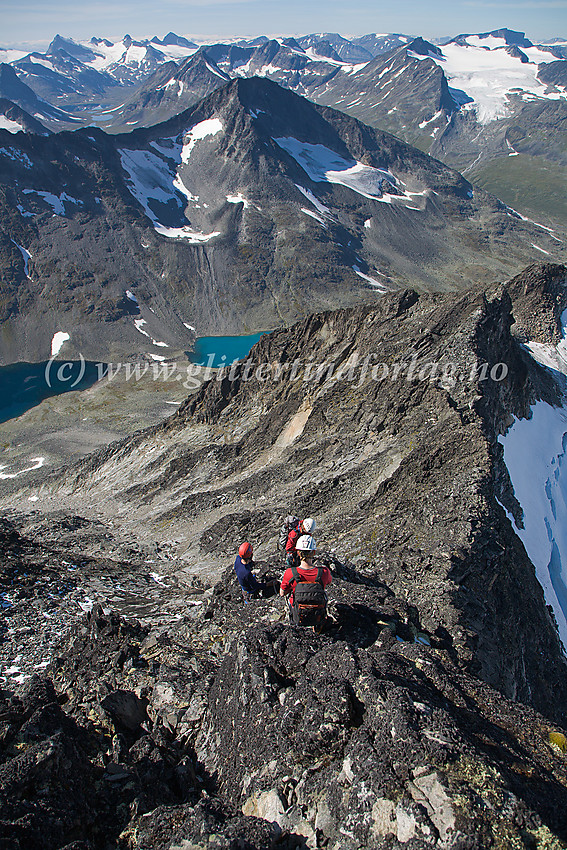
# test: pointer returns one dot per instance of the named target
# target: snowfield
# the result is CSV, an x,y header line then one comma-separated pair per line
x,y
200,131
11,126
535,454
323,165
156,184
489,77
56,202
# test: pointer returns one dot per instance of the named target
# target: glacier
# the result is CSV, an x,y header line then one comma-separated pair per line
x,y
535,453
153,179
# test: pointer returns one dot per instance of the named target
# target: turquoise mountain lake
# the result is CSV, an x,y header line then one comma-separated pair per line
x,y
228,347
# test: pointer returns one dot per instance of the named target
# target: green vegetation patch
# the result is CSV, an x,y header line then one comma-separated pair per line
x,y
526,183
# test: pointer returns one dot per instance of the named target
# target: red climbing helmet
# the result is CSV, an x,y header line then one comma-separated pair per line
x,y
245,551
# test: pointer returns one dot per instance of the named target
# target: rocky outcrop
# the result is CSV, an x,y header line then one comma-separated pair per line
x,y
229,728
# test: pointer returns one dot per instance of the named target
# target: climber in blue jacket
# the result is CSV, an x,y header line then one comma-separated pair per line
x,y
243,568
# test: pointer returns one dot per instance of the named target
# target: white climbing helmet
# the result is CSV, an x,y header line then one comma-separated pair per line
x,y
308,525
306,544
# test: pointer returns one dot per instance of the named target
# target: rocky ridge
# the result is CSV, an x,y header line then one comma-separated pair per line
x,y
399,461
216,725
432,711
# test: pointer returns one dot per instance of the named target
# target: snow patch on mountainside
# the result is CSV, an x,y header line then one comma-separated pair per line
x,y
56,202
156,184
26,256
535,452
324,165
210,127
216,71
314,215
37,463
58,339
238,199
371,280
316,57
324,211
17,156
491,42
11,126
515,214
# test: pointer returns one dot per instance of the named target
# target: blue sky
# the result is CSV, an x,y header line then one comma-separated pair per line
x,y
31,21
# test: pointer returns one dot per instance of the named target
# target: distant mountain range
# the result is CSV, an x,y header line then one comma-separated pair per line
x,y
493,105
249,210
198,180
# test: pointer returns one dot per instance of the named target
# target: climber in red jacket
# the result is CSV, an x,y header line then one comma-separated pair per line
x,y
305,526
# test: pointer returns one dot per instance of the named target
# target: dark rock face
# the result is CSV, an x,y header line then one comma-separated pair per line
x,y
51,758
554,73
338,724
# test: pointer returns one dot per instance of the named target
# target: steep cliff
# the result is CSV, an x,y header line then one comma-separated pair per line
x,y
382,422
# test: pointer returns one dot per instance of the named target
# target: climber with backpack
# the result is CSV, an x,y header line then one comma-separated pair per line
x,y
290,522
305,585
302,527
248,582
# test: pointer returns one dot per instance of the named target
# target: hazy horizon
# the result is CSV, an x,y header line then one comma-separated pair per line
x,y
30,23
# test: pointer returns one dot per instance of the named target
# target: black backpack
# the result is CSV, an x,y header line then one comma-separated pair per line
x,y
309,600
